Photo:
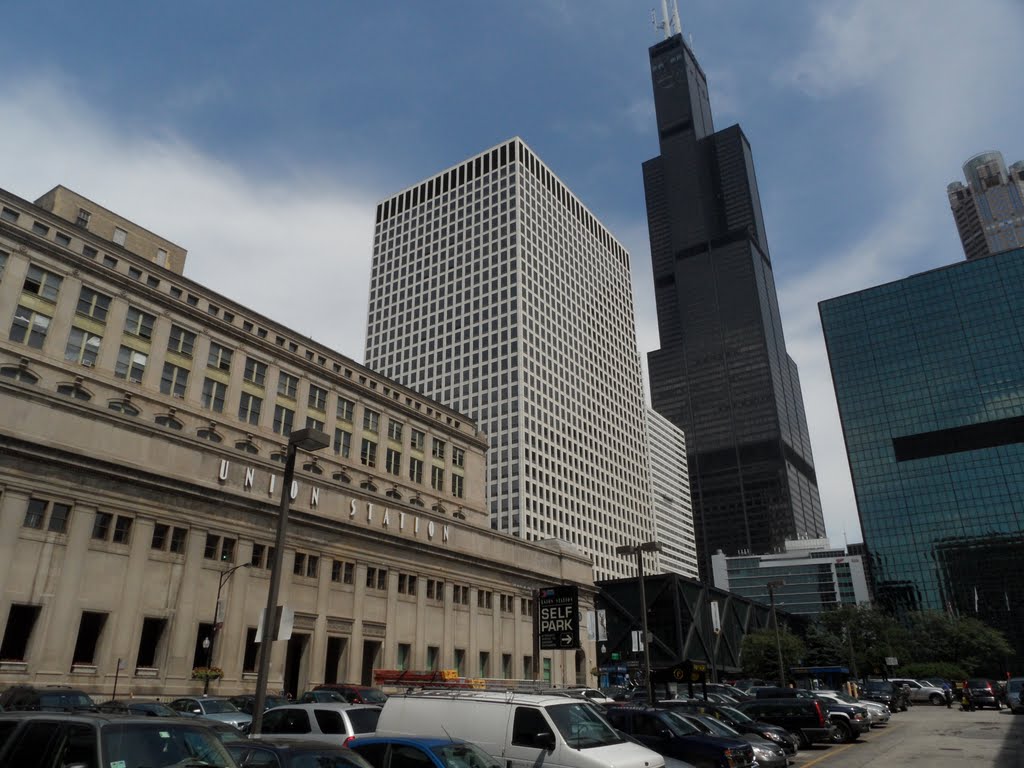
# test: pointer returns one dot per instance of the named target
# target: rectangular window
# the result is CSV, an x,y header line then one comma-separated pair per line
x,y
160,534
212,547
83,347
29,327
283,418
101,525
256,559
35,514
181,341
122,530
337,568
371,420
342,442
312,567
149,642
59,515
416,470
44,284
21,620
214,393
345,409
220,357
317,398
458,457
179,537
437,448
252,651
485,664
460,661
227,551
437,478
404,654
287,385
255,372
139,323
394,430
249,407
299,564
93,304
506,665
458,486
418,440
174,380
89,631
527,667
393,461
433,657
130,364
368,453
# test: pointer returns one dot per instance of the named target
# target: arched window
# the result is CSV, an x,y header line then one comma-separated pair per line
x,y
19,373
209,433
167,420
393,493
368,485
280,456
247,446
342,476
75,390
123,406
313,467
416,501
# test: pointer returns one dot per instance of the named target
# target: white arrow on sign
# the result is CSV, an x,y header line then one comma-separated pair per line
x,y
566,639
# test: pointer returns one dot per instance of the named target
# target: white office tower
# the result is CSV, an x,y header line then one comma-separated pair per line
x,y
496,292
670,497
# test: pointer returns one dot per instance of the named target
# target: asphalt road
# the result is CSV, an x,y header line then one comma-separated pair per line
x,y
930,737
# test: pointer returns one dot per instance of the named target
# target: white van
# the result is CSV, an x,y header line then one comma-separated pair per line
x,y
520,730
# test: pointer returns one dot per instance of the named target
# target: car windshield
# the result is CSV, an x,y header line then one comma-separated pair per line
x,y
735,715
717,727
843,697
582,727
273,701
217,706
680,726
65,701
162,745
153,708
464,756
878,687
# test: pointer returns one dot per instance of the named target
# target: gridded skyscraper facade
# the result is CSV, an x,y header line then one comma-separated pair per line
x,y
929,379
989,210
496,292
722,373
670,497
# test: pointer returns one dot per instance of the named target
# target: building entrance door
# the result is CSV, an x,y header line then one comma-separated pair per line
x,y
336,647
371,655
296,665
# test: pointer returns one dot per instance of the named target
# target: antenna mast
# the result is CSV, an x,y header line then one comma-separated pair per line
x,y
675,19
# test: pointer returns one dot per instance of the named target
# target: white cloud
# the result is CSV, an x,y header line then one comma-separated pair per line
x,y
295,248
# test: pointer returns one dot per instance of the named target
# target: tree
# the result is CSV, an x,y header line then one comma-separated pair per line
x,y
860,637
760,653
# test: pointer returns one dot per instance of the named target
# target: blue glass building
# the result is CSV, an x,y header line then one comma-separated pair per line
x,y
929,378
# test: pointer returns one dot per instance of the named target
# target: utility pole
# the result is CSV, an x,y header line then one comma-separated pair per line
x,y
775,619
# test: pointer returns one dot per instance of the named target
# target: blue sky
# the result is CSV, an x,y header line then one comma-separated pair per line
x,y
260,135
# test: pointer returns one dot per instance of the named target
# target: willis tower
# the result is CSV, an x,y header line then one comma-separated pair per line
x,y
722,373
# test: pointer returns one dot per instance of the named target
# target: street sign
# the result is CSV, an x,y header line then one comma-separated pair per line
x,y
559,612
716,621
284,618
602,625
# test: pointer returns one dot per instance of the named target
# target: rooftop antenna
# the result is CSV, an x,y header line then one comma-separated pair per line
x,y
674,21
665,23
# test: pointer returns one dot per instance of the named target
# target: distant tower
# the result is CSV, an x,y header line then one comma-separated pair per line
x,y
722,373
989,210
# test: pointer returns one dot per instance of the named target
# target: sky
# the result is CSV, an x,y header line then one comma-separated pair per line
x,y
261,135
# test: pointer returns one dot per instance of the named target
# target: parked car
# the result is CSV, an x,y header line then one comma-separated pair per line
x,y
47,739
593,694
322,696
290,753
878,714
1014,692
850,720
144,707
385,751
331,721
767,754
883,692
673,735
922,692
807,719
524,729
983,693
50,698
736,719
247,701
356,694
212,707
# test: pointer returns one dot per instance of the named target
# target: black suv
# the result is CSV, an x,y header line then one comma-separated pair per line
x,y
671,736
806,718
734,719
52,698
56,739
850,720
884,692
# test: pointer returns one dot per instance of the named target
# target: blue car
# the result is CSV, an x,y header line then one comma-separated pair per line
x,y
380,751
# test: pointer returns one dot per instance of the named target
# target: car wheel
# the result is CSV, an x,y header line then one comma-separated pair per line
x,y
936,699
842,732
805,743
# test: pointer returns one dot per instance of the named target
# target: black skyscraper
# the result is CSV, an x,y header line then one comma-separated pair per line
x,y
722,373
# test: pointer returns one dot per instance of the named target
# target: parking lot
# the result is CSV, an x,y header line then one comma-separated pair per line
x,y
930,737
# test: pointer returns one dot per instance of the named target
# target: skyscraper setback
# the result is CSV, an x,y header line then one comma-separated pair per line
x,y
722,373
496,292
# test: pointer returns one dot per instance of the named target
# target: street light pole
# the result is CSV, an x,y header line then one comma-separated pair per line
x,y
775,618
638,550
209,642
310,440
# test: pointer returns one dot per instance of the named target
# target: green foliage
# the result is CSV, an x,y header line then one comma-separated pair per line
x,y
860,637
760,653
919,670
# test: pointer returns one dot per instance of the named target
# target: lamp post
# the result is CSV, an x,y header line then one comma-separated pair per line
x,y
308,439
209,642
775,618
638,550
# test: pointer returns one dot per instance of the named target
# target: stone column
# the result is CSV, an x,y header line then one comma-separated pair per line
x,y
355,656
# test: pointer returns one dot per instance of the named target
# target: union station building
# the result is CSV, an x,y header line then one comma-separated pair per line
x,y
144,421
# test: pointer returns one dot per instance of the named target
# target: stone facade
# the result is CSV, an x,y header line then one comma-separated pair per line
x,y
139,479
